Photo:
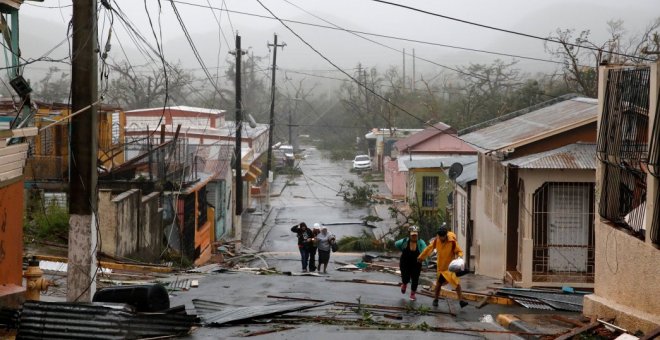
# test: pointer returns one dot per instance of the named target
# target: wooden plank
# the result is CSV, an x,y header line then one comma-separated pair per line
x,y
142,268
10,175
14,157
577,331
15,165
25,132
471,296
12,149
568,320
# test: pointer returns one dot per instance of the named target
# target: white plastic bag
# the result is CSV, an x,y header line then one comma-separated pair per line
x,y
457,265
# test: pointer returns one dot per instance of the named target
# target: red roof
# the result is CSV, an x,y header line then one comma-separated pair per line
x,y
441,138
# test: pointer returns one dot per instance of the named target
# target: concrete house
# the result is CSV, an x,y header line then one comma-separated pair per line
x,y
462,210
533,222
429,189
440,140
627,273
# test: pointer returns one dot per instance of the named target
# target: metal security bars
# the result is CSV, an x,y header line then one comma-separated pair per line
x,y
623,198
563,232
623,147
623,136
654,147
429,191
655,227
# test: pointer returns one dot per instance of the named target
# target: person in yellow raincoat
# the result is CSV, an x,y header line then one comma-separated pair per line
x,y
447,249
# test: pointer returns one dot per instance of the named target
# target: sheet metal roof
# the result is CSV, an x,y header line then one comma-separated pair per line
x,y
572,156
517,127
246,313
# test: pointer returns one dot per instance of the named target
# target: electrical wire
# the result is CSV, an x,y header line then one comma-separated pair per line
x,y
504,54
424,122
505,30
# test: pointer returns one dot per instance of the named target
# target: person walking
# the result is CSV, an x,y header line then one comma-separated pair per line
x,y
313,245
305,237
411,247
447,249
324,239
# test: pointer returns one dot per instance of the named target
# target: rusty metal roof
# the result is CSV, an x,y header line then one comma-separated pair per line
x,y
572,156
517,127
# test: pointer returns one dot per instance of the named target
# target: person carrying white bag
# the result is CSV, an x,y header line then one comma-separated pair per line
x,y
448,252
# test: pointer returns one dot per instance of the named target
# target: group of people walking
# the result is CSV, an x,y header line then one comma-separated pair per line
x,y
312,240
414,251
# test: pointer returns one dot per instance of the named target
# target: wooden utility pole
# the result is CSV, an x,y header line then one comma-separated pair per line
x,y
239,125
81,272
271,122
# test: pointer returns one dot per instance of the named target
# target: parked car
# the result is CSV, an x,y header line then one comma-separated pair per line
x,y
362,162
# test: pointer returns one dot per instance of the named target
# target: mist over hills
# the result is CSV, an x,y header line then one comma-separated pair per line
x,y
39,35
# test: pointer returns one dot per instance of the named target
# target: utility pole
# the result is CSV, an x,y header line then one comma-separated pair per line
x,y
413,85
239,125
404,69
271,122
81,272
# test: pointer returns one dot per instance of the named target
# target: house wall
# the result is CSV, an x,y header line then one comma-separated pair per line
x,y
127,218
395,179
586,133
11,233
627,273
151,227
490,217
462,217
533,179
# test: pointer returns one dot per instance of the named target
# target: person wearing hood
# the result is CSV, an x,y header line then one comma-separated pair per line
x,y
305,238
447,249
411,247
313,245
324,244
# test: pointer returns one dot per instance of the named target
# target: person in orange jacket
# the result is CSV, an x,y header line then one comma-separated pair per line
x,y
447,249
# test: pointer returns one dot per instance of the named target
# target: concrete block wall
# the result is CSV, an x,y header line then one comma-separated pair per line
x,y
151,227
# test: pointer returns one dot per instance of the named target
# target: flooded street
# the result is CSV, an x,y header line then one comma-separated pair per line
x,y
312,197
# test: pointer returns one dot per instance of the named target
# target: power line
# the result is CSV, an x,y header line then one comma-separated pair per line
x,y
378,35
504,30
359,83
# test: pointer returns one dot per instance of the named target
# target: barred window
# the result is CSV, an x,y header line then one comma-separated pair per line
x,y
429,191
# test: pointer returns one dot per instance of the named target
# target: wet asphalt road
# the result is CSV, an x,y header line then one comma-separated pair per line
x,y
311,198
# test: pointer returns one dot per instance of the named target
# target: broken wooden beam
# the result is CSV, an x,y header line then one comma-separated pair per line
x,y
577,331
142,268
383,283
268,331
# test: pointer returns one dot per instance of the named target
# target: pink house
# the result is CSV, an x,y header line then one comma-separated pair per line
x,y
439,140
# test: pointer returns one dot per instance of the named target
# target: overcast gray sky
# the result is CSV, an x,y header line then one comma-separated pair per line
x,y
533,17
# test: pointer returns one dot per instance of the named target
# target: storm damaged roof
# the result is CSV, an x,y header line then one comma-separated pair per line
x,y
572,156
528,125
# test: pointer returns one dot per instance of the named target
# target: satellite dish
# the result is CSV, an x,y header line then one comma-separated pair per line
x,y
455,170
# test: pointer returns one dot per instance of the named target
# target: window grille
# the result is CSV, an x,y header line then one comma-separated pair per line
x,y
623,198
623,135
655,226
563,232
654,147
429,191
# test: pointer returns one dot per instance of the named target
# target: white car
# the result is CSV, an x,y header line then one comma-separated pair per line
x,y
362,162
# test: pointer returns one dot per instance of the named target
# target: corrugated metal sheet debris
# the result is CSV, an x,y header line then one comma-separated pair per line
x,y
179,284
560,301
531,303
247,313
206,307
57,320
